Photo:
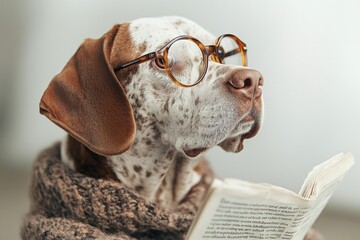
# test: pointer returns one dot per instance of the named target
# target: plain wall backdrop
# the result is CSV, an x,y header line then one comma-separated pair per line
x,y
308,52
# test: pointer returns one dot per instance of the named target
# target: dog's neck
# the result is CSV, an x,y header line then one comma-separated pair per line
x,y
156,171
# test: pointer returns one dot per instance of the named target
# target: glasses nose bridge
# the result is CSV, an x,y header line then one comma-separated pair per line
x,y
212,52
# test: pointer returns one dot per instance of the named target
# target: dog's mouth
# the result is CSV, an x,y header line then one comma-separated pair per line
x,y
246,129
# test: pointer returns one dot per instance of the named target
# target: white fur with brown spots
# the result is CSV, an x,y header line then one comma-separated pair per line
x,y
175,124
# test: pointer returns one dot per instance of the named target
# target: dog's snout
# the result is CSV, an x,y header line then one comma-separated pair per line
x,y
246,82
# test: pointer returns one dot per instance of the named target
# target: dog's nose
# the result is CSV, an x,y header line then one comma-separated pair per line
x,y
246,82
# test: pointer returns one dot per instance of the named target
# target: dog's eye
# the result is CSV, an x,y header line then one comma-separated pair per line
x,y
159,63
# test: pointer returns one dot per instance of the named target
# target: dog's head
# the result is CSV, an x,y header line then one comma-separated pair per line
x,y
102,108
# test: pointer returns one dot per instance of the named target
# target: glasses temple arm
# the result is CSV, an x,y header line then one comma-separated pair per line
x,y
233,52
138,60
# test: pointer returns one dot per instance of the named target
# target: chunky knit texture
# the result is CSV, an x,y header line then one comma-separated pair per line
x,y
66,204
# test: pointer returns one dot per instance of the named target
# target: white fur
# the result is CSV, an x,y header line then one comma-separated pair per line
x,y
64,154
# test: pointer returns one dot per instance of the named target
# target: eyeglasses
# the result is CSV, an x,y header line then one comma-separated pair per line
x,y
185,59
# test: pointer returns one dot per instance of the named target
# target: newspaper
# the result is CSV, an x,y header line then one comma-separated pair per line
x,y
236,209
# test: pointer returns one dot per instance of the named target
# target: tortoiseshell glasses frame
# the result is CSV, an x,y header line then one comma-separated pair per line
x,y
216,52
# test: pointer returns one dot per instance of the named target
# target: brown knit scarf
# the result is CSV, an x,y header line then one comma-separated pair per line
x,y
66,204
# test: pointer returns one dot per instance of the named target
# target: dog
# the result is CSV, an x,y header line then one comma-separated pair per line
x,y
129,119
139,127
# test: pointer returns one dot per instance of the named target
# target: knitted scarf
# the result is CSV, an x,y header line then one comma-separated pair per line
x,y
66,204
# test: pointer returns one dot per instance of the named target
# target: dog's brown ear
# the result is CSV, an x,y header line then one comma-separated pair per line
x,y
87,100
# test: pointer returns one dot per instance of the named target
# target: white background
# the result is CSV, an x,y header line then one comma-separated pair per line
x,y
308,52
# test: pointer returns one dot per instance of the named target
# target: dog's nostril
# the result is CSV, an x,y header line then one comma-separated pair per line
x,y
247,83
245,80
240,84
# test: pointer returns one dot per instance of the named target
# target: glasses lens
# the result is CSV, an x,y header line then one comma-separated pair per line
x,y
230,52
186,62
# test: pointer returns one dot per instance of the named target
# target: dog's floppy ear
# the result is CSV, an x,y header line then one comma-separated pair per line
x,y
87,100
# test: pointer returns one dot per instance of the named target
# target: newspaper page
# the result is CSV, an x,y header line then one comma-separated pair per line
x,y
250,212
238,209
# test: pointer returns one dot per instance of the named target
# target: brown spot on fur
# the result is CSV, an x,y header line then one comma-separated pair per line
x,y
197,100
88,162
166,106
221,72
148,142
139,188
137,168
138,103
126,171
148,174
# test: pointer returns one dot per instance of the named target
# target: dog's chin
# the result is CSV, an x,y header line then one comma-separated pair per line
x,y
236,143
